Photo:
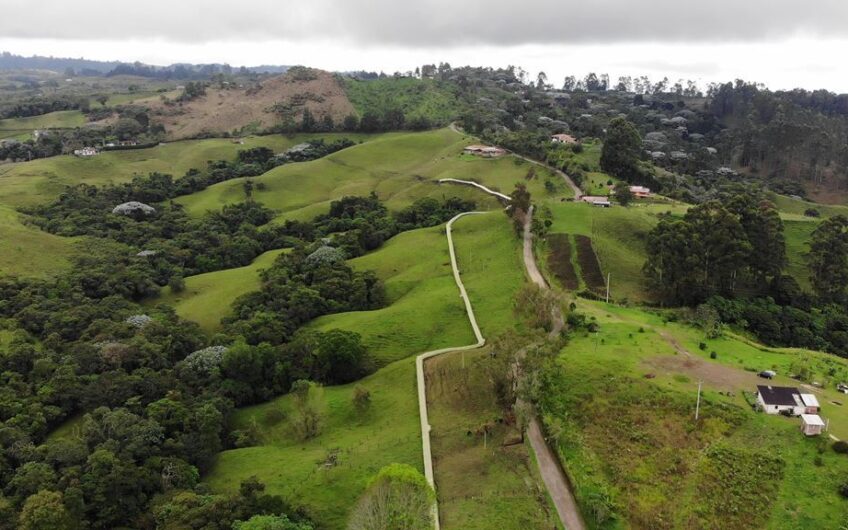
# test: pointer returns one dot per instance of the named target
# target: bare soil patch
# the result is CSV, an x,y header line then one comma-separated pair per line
x,y
589,266
231,110
560,262
718,376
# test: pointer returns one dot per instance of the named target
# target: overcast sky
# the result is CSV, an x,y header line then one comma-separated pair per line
x,y
781,43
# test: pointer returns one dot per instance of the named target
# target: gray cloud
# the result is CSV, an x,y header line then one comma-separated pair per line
x,y
426,23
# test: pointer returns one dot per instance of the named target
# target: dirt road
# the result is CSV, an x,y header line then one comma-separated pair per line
x,y
554,477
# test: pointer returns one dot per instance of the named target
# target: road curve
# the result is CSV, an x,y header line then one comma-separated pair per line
x,y
499,195
419,364
574,187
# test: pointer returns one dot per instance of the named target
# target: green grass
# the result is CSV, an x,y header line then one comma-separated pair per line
x,y
480,482
618,236
795,208
636,436
39,181
424,312
29,252
797,235
53,120
388,433
399,167
208,297
415,97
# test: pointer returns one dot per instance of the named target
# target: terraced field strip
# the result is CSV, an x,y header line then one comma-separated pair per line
x,y
590,268
560,261
419,365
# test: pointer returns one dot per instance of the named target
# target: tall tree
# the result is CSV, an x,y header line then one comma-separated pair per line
x,y
398,497
622,149
829,259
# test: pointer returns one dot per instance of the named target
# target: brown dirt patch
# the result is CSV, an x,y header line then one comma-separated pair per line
x,y
228,110
717,376
590,269
559,260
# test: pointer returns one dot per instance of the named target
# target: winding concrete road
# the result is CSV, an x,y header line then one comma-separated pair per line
x,y
419,364
499,195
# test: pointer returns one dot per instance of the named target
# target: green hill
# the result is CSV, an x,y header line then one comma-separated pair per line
x,y
207,298
399,167
28,251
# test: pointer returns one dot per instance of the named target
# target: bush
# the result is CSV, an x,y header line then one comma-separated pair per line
x,y
713,355
840,447
702,346
843,490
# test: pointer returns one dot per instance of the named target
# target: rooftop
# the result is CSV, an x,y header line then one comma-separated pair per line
x,y
812,419
779,395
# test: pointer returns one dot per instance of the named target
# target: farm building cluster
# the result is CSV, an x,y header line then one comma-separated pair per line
x,y
486,151
790,401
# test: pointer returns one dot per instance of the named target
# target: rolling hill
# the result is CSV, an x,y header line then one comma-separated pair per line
x,y
255,108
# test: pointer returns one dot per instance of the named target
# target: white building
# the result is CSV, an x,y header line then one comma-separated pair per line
x,y
85,151
777,399
812,424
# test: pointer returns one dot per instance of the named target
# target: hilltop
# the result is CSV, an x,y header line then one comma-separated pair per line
x,y
239,108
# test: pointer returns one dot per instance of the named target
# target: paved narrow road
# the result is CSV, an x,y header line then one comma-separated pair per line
x,y
419,364
574,187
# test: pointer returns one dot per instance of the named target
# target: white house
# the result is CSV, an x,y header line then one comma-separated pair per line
x,y
812,424
596,200
85,151
777,399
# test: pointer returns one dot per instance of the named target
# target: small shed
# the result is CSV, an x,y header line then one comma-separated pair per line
x,y
811,424
811,404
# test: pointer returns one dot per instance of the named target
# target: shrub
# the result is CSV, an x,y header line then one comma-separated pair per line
x,y
361,399
713,355
843,490
840,447
702,346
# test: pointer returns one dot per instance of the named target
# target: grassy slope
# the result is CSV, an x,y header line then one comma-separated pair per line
x,y
807,495
399,167
27,251
618,236
39,181
414,267
415,97
424,311
491,486
207,298
59,119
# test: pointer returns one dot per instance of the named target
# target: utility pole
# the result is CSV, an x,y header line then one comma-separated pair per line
x,y
608,285
698,404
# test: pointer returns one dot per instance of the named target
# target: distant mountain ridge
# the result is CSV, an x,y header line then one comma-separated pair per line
x,y
10,61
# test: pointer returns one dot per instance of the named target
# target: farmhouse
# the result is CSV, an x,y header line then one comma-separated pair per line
x,y
640,192
777,399
484,151
563,139
596,200
85,151
812,424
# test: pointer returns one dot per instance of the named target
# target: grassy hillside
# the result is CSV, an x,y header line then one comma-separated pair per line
x,y
16,127
208,297
424,311
38,181
399,167
256,108
27,251
389,432
415,97
625,406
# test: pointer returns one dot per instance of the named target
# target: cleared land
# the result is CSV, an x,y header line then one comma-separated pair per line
x,y
252,109
207,298
19,127
560,261
623,408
